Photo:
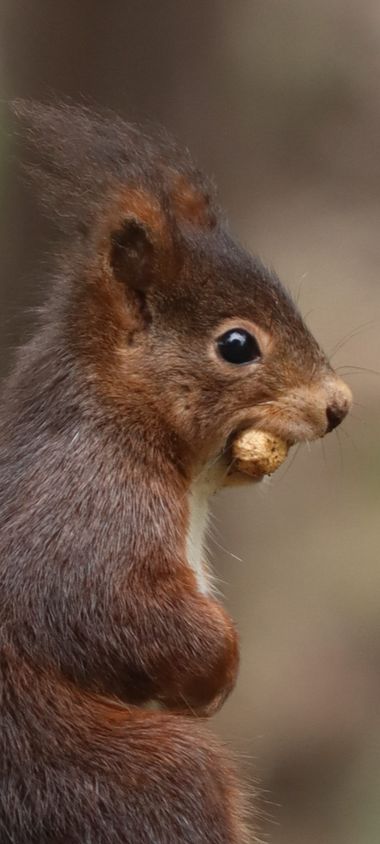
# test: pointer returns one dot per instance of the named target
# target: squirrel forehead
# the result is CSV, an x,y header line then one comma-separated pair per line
x,y
219,280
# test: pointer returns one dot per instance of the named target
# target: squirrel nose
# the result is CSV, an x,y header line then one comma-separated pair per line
x,y
338,406
335,415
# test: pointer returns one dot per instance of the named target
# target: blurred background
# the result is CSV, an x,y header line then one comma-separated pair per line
x,y
280,103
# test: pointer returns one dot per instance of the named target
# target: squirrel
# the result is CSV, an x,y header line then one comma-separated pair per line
x,y
160,339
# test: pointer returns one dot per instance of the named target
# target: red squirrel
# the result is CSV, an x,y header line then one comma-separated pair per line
x,y
161,338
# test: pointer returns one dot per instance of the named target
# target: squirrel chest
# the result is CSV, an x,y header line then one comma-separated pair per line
x,y
199,496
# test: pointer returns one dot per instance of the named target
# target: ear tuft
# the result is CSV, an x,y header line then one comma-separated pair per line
x,y
132,254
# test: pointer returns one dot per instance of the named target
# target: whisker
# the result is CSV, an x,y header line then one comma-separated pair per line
x,y
352,370
290,462
324,452
348,435
340,449
226,551
190,708
308,313
358,418
350,336
298,293
228,469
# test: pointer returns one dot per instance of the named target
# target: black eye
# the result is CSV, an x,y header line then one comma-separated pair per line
x,y
238,346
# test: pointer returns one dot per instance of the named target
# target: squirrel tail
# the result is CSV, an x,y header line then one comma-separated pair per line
x,y
91,770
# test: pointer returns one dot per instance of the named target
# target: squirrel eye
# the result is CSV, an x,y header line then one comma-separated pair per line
x,y
238,346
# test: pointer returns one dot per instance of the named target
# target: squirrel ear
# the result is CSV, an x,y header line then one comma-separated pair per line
x,y
132,255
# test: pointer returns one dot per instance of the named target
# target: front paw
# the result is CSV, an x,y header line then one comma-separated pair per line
x,y
204,686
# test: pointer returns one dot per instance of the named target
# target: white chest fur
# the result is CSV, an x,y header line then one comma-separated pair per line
x,y
199,496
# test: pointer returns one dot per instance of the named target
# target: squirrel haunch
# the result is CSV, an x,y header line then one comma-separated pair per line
x,y
115,428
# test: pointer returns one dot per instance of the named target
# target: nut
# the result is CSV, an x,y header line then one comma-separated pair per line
x,y
258,453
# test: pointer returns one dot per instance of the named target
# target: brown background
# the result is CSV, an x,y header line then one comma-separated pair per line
x,y
280,102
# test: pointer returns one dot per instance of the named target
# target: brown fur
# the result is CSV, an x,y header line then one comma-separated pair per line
x,y
113,409
192,205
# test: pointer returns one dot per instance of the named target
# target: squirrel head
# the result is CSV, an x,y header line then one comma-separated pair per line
x,y
174,322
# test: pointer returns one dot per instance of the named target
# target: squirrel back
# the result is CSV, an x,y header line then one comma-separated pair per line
x,y
161,338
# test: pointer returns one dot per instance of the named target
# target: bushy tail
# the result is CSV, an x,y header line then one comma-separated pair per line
x,y
81,769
